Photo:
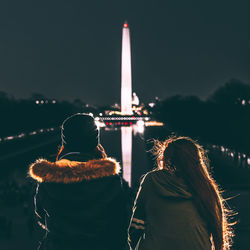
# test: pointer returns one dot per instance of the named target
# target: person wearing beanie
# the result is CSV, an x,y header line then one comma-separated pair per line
x,y
79,132
80,201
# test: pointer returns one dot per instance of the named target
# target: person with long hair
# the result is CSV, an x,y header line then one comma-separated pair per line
x,y
178,204
80,201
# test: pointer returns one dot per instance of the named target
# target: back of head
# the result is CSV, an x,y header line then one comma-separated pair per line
x,y
80,133
185,157
181,155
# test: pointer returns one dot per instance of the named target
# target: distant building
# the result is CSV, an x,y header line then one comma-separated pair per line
x,y
135,100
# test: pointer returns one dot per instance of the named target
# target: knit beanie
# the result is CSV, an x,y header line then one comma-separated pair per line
x,y
80,133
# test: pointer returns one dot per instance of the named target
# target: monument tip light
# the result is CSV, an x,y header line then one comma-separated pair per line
x,y
125,25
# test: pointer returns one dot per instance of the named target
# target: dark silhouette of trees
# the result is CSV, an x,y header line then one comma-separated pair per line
x,y
26,115
230,108
181,113
233,92
223,119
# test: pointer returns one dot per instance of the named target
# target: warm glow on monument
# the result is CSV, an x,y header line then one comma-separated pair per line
x,y
126,76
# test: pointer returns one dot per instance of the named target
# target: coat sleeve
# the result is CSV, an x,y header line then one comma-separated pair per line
x,y
138,219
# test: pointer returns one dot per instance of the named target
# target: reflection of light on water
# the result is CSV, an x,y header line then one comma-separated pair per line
x,y
126,133
126,139
241,158
9,138
138,128
21,135
99,123
154,124
127,153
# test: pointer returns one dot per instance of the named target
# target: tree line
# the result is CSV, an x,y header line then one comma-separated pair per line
x,y
222,119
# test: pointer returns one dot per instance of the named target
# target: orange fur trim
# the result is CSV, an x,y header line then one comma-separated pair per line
x,y
66,171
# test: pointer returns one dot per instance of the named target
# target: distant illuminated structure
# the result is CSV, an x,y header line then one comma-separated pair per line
x,y
126,76
135,100
126,103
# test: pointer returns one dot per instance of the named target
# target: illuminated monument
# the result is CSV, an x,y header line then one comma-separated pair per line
x,y
126,103
127,119
126,76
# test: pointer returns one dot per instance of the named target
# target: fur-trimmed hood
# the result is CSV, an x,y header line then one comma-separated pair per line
x,y
66,171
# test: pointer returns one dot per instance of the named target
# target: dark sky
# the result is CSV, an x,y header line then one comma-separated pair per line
x,y
72,49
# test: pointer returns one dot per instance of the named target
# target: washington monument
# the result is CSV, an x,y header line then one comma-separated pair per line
x,y
126,76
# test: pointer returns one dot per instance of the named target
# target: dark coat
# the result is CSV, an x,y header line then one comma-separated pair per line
x,y
165,217
80,205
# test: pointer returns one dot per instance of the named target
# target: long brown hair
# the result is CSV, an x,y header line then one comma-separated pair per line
x,y
185,157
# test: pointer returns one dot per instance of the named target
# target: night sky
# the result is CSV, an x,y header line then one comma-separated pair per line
x,y
72,49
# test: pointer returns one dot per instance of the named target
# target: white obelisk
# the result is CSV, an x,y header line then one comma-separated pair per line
x,y
126,103
126,76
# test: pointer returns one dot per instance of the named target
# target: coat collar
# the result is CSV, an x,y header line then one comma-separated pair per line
x,y
66,171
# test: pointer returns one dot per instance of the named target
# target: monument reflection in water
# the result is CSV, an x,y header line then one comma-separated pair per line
x,y
126,140
120,142
126,147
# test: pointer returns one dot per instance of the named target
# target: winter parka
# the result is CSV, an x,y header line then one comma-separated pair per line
x,y
80,204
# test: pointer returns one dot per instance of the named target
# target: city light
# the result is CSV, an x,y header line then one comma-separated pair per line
x,y
45,101
139,127
8,138
21,135
99,123
154,124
